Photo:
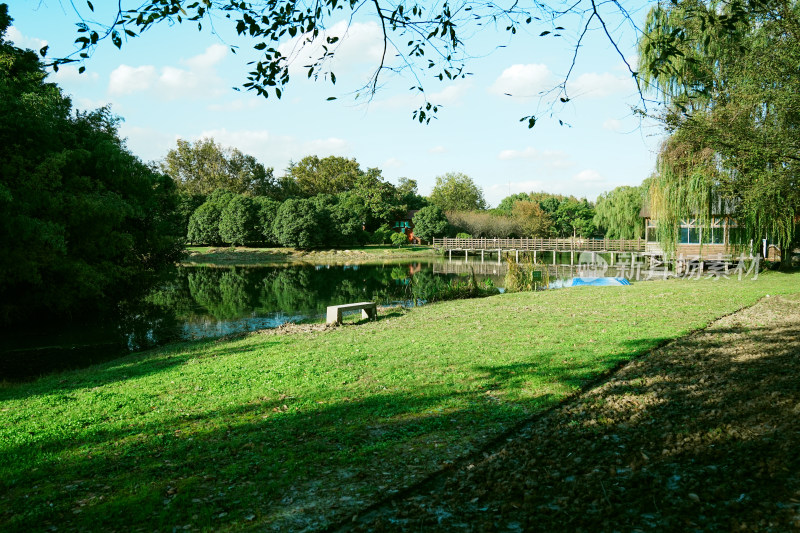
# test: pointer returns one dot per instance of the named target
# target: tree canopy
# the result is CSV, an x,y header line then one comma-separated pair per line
x,y
617,212
455,191
727,73
202,167
424,41
83,222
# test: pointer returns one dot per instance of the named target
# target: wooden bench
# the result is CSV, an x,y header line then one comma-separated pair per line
x,y
368,310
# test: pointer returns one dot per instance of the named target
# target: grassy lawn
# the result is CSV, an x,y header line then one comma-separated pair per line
x,y
205,255
299,430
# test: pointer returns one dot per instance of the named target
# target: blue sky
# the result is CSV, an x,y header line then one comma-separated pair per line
x,y
176,82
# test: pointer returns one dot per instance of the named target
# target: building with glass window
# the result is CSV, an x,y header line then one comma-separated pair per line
x,y
721,237
406,225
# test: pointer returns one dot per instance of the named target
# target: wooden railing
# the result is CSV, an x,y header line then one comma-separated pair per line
x,y
543,245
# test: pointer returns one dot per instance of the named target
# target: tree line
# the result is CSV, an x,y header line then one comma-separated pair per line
x,y
86,225
229,198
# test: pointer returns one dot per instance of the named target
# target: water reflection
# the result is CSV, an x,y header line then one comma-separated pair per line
x,y
200,302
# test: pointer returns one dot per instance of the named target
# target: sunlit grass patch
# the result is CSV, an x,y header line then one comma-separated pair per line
x,y
302,429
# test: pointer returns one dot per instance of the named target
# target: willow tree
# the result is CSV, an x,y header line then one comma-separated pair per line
x,y
727,75
618,212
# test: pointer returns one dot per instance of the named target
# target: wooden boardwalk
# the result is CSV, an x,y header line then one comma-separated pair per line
x,y
541,245
551,247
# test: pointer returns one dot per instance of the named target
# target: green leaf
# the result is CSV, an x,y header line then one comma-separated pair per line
x,y
543,33
43,50
331,98
91,7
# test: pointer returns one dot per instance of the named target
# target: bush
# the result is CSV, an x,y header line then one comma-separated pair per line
x,y
382,235
463,236
520,276
399,239
238,221
430,222
298,224
204,222
266,210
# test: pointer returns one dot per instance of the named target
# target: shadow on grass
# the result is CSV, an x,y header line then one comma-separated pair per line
x,y
701,435
246,464
273,460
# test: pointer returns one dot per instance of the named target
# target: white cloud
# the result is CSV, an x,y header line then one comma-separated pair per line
x,y
360,47
15,36
239,104
199,81
437,150
68,74
213,55
277,150
612,124
148,143
523,80
393,162
588,175
126,79
596,85
550,158
450,95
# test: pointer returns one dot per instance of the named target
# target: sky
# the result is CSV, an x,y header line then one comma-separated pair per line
x,y
175,82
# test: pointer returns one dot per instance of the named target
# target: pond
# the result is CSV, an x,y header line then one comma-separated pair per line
x,y
202,301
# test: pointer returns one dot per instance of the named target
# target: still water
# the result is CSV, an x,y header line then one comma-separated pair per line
x,y
202,302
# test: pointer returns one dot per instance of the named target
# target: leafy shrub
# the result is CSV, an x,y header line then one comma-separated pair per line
x,y
204,222
463,236
382,235
430,222
520,276
399,239
238,221
298,224
266,210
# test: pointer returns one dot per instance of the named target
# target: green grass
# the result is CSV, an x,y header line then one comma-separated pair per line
x,y
299,429
242,256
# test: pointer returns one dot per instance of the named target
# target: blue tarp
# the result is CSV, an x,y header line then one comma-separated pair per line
x,y
602,282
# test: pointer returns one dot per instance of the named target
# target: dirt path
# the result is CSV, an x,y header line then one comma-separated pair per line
x,y
703,434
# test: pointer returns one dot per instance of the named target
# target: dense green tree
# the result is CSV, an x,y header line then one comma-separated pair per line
x,y
617,213
409,195
383,203
382,235
187,204
84,224
266,210
238,221
574,218
506,205
399,239
430,222
329,175
457,192
202,167
297,224
204,222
